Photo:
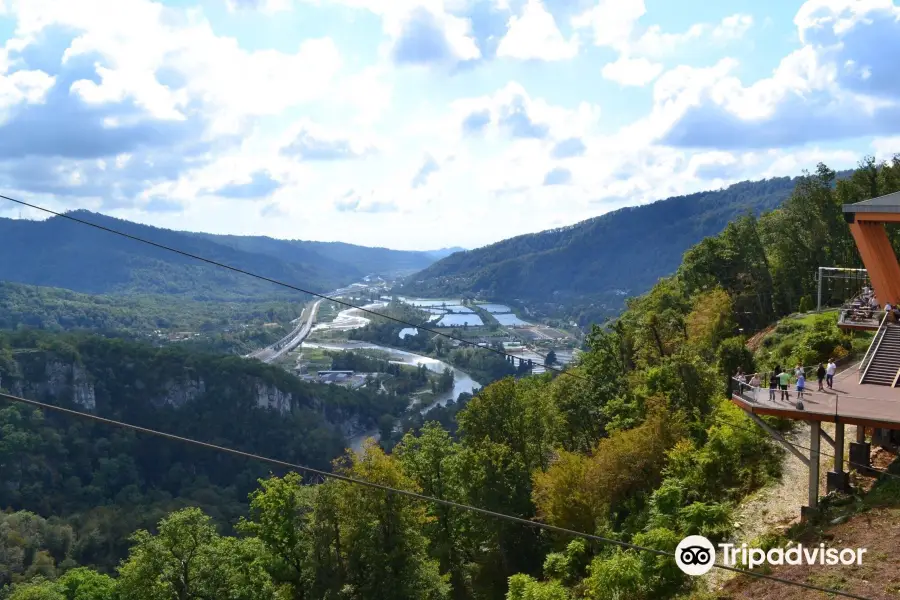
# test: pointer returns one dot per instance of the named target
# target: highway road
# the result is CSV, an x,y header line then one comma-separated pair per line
x,y
290,341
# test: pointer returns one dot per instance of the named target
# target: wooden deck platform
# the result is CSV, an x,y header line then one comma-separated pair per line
x,y
849,402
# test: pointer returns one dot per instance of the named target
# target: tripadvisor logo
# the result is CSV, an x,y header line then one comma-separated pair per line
x,y
695,555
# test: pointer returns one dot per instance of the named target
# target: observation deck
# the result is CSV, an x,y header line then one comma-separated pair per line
x,y
849,402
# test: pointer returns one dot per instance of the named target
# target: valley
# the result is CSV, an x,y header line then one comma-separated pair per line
x,y
324,331
443,391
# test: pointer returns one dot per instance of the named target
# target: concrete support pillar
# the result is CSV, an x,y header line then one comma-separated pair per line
x,y
838,447
814,442
838,479
860,453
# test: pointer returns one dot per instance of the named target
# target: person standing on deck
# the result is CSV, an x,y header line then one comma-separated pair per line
x,y
829,373
754,386
820,375
784,380
801,383
773,384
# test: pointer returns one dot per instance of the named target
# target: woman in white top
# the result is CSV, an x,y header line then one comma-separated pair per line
x,y
754,384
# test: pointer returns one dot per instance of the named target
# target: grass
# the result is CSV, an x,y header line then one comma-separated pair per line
x,y
796,340
327,312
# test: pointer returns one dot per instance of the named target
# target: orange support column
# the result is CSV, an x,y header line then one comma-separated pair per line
x,y
879,258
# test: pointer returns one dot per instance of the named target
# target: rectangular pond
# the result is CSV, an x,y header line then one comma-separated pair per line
x,y
472,320
425,303
510,320
495,308
458,308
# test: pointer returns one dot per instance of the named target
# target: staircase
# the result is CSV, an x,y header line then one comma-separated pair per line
x,y
885,363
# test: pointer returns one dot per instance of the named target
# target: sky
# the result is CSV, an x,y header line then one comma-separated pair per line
x,y
423,124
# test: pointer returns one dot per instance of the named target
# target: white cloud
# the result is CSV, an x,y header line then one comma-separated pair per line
x,y
511,113
264,6
840,83
611,21
306,141
23,86
632,71
138,39
453,165
655,43
535,36
733,27
887,147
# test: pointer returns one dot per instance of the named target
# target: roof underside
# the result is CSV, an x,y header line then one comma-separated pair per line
x,y
889,203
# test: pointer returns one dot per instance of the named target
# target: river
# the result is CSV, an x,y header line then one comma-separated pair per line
x,y
462,382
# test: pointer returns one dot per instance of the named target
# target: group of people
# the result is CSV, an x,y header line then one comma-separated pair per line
x,y
893,312
780,379
864,307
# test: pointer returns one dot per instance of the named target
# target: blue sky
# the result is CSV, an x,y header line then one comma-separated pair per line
x,y
420,124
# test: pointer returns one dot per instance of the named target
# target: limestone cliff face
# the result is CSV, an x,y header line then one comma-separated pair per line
x,y
59,380
179,393
45,377
269,396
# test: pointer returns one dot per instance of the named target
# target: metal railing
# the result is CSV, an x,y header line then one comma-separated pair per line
x,y
830,403
873,348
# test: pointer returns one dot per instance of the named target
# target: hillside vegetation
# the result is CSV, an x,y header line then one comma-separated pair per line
x,y
637,441
117,481
61,310
348,259
586,271
61,253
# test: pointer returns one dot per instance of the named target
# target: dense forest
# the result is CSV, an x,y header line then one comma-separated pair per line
x,y
585,272
114,481
61,253
637,441
63,310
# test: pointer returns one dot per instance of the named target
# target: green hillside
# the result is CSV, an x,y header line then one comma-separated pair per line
x,y
65,254
597,263
347,260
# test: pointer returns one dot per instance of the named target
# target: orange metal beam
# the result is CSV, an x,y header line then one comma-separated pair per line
x,y
876,217
878,257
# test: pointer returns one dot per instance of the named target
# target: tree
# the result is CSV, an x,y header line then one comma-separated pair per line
x,y
382,534
283,517
188,560
586,493
85,584
550,359
436,464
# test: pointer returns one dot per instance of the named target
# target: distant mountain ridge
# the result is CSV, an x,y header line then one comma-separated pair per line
x,y
349,259
61,253
597,263
445,252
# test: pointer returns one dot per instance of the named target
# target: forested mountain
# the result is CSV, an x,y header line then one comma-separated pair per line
x,y
594,265
61,253
57,309
116,481
347,260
